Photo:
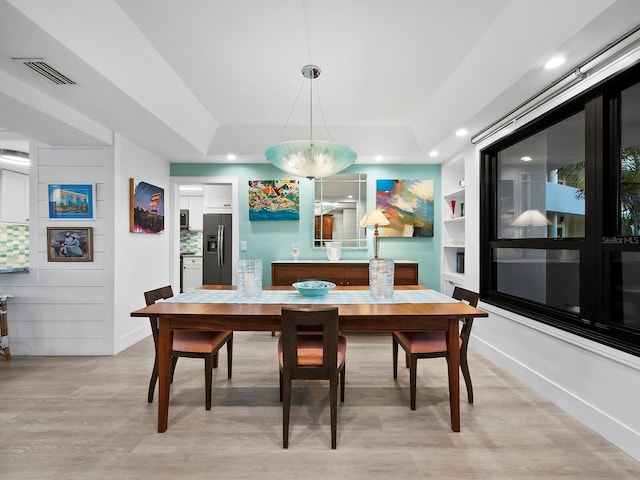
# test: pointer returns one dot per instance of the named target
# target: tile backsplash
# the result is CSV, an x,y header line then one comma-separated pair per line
x,y
14,247
191,242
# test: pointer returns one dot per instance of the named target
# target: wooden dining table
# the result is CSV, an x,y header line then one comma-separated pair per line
x,y
425,310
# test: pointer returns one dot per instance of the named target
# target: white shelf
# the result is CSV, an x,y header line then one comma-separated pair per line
x,y
456,277
455,194
453,229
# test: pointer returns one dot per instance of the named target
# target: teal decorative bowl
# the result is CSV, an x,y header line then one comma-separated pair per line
x,y
313,288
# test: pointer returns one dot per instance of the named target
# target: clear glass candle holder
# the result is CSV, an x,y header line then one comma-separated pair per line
x,y
249,278
381,275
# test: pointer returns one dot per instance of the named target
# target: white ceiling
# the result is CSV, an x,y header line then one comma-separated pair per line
x,y
195,80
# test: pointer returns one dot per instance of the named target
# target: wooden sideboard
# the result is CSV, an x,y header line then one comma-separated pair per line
x,y
344,272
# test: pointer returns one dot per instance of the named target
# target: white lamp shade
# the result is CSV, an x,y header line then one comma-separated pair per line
x,y
376,217
531,218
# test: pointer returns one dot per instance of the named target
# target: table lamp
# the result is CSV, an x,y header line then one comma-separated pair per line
x,y
374,219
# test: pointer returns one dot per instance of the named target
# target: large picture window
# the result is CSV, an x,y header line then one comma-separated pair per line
x,y
561,199
541,183
629,191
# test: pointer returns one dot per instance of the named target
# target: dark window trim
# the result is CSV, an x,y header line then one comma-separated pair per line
x,y
602,127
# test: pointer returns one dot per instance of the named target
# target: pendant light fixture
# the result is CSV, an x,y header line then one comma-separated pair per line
x,y
310,158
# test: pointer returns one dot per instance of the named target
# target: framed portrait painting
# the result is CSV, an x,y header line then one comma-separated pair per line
x,y
71,201
146,207
70,244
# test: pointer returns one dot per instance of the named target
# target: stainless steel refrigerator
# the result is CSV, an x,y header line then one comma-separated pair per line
x,y
216,251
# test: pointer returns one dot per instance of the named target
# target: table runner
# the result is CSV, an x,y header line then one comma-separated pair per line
x,y
293,297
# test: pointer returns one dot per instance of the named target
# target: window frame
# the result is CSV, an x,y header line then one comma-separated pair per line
x,y
601,105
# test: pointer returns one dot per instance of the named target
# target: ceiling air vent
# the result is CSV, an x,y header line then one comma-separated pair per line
x,y
45,70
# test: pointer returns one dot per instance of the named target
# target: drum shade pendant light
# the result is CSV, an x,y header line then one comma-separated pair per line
x,y
310,158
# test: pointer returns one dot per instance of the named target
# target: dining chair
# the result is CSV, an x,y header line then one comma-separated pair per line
x,y
189,343
310,348
433,344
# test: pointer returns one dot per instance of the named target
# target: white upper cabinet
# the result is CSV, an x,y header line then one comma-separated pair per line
x,y
217,198
195,205
14,197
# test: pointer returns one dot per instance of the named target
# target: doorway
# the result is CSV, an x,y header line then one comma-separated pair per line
x,y
210,206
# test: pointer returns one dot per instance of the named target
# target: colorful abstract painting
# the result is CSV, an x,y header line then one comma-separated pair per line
x,y
408,204
146,213
274,200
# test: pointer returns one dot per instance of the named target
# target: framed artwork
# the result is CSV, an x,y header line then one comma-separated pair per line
x,y
146,207
408,204
274,200
70,244
72,201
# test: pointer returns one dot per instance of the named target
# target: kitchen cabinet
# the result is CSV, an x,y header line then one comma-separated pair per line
x,y
217,198
14,197
191,272
346,272
195,205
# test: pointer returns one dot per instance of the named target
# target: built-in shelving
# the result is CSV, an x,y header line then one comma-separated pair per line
x,y
453,225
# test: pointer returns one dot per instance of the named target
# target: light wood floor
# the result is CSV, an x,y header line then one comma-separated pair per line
x,y
88,418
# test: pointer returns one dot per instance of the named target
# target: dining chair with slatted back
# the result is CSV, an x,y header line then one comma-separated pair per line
x,y
310,348
193,344
433,344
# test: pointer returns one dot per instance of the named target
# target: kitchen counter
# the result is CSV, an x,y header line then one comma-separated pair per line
x,y
190,271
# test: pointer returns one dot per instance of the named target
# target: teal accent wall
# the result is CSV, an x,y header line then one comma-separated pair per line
x,y
271,240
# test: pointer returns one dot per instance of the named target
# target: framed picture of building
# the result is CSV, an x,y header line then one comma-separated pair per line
x,y
71,201
70,244
146,212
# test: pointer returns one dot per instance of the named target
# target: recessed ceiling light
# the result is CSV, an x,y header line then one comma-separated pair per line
x,y
378,158
461,132
526,159
231,156
433,153
554,62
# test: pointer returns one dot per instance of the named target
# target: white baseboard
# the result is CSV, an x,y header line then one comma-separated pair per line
x,y
622,436
132,337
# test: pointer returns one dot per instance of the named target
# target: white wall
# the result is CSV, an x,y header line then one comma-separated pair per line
x,y
83,308
142,261
597,385
64,308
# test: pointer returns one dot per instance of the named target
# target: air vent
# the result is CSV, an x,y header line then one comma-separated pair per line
x,y
45,70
